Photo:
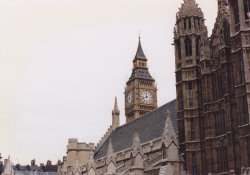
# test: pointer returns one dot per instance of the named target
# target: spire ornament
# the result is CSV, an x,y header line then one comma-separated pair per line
x,y
110,153
91,161
169,134
116,106
136,144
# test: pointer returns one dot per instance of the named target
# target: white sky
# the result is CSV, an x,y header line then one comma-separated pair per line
x,y
62,62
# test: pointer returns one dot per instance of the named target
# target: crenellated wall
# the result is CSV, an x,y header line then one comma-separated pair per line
x,y
77,155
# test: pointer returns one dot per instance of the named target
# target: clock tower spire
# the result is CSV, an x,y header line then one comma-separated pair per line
x,y
140,92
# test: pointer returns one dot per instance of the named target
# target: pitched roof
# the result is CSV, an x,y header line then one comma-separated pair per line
x,y
150,126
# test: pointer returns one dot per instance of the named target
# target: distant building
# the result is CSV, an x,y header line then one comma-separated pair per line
x,y
33,169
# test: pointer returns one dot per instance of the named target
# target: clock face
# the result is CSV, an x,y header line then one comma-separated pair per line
x,y
146,97
129,97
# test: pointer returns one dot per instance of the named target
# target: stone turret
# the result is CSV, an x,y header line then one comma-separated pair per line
x,y
191,51
77,154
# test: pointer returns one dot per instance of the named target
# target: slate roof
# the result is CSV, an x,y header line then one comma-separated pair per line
x,y
150,126
140,73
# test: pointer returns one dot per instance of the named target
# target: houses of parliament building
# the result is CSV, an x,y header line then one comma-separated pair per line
x,y
206,130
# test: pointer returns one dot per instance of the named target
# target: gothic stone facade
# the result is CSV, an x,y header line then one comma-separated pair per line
x,y
146,144
213,86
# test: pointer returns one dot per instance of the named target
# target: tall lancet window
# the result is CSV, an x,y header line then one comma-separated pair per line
x,y
247,8
188,46
194,164
235,11
190,95
197,47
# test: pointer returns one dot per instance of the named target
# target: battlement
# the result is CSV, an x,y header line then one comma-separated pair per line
x,y
104,138
74,145
86,146
72,140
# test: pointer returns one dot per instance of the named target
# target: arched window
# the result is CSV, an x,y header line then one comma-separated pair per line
x,y
246,8
164,151
188,46
189,23
194,164
197,47
185,23
235,11
178,49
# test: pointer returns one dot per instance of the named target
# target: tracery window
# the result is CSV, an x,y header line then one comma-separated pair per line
x,y
188,46
246,8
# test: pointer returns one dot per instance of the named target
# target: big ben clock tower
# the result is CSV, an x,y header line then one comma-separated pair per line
x,y
140,92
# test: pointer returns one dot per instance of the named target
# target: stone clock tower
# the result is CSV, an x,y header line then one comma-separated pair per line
x,y
140,92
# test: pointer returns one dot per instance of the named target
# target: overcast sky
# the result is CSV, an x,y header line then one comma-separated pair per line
x,y
62,62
